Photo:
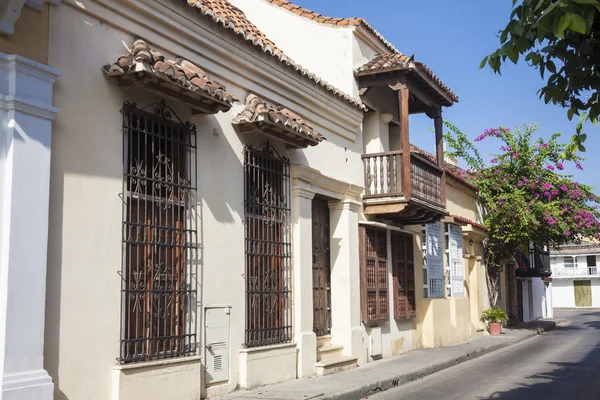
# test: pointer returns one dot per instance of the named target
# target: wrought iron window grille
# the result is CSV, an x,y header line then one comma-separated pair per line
x,y
267,210
159,235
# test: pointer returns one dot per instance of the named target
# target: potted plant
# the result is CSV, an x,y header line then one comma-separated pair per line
x,y
495,317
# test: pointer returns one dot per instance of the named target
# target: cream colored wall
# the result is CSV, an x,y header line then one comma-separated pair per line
x,y
30,39
84,301
449,320
462,200
444,321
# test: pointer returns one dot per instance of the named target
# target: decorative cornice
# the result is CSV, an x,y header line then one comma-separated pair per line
x,y
14,62
315,178
345,204
302,191
15,103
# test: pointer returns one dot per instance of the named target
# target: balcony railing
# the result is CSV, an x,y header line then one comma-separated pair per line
x,y
383,177
541,261
575,271
426,180
383,174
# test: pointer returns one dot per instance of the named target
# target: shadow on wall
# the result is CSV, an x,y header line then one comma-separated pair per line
x,y
89,155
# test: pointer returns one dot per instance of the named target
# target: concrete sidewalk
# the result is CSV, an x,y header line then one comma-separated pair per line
x,y
385,374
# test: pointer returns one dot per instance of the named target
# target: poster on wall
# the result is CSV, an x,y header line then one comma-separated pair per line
x,y
455,260
434,260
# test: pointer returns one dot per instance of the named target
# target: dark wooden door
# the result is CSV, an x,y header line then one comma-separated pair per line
x,y
321,268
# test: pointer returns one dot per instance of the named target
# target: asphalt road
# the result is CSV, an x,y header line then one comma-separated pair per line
x,y
562,364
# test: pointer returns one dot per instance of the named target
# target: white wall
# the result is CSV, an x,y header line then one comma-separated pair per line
x,y
84,300
537,295
563,293
538,298
322,49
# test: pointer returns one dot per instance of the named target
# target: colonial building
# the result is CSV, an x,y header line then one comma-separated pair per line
x,y
192,211
410,203
576,281
528,286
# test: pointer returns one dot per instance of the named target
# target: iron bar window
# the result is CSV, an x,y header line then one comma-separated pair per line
x,y
159,235
268,246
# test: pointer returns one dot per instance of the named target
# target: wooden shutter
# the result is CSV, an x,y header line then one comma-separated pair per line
x,y
403,272
374,275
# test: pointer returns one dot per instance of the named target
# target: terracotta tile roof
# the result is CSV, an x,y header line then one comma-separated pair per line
x,y
577,248
399,62
179,72
453,170
464,220
287,125
316,17
231,17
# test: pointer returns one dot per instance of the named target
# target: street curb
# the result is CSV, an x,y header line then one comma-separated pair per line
x,y
355,393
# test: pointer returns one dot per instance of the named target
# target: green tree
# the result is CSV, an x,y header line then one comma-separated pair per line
x,y
526,195
561,38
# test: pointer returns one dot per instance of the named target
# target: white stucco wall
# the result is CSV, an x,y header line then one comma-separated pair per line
x,y
537,295
563,293
84,300
322,49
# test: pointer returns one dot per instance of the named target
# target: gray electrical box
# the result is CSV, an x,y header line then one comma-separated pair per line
x,y
217,343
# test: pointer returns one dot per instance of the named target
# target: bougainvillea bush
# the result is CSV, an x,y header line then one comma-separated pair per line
x,y
527,195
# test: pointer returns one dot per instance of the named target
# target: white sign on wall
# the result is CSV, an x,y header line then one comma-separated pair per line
x,y
434,260
455,260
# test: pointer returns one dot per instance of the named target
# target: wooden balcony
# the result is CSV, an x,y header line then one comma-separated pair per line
x,y
405,189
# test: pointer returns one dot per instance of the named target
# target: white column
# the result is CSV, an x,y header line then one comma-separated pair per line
x,y
26,115
345,276
303,280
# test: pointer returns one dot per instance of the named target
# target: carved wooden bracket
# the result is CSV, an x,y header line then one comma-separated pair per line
x,y
10,11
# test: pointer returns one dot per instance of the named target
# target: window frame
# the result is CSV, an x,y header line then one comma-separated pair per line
x,y
159,251
268,243
364,276
403,275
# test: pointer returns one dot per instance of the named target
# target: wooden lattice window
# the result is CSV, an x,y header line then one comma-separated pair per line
x,y
268,246
403,272
159,235
374,275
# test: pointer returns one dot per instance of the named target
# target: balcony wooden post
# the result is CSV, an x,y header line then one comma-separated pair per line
x,y
439,145
404,139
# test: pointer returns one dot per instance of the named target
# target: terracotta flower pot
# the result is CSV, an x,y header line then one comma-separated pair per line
x,y
495,328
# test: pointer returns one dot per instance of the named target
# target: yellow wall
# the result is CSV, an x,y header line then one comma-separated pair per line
x,y
30,39
461,200
444,321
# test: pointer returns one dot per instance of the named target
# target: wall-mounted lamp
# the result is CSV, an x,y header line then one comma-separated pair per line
x,y
386,118
470,242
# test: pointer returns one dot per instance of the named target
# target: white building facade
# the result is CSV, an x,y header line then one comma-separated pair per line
x,y
576,279
204,214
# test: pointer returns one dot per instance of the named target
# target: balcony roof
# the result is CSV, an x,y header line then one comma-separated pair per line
x,y
398,62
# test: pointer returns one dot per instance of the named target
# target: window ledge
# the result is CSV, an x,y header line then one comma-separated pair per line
x,y
156,363
266,348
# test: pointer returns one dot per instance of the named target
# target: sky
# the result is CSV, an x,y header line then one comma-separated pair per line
x,y
451,38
